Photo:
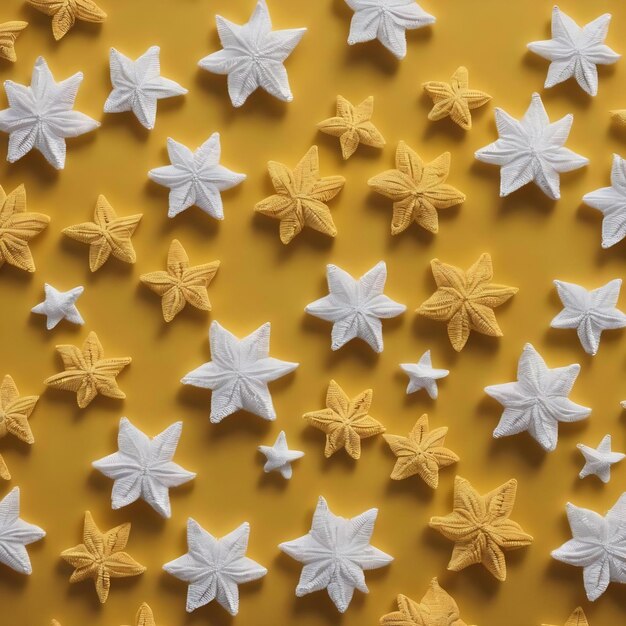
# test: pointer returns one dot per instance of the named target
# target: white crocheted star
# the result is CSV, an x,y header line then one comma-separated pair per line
x,y
16,534
598,460
253,56
538,400
531,149
387,21
279,456
137,85
59,305
422,375
335,553
143,467
40,116
356,306
196,178
575,51
215,567
589,312
598,545
239,373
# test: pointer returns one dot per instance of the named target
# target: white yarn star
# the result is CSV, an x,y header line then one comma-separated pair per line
x,y
335,553
598,545
253,55
279,456
538,400
598,460
196,178
16,534
143,467
137,85
239,373
40,116
422,375
356,306
531,149
387,21
575,51
60,305
589,312
215,567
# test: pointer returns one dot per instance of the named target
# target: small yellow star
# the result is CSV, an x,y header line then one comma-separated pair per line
x,y
619,117
106,235
87,373
353,126
577,618
418,189
455,99
65,12
9,32
301,196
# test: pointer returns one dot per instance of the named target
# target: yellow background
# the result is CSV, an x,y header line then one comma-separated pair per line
x,y
532,241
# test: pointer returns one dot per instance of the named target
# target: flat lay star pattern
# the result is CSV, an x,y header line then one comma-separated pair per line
x,y
137,85
577,618
598,460
60,305
532,150
9,32
253,56
538,400
65,13
239,373
279,456
422,375
356,306
335,554
214,568
575,50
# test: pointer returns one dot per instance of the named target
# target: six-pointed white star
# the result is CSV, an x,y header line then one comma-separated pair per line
x,y
59,305
422,375
279,456
598,460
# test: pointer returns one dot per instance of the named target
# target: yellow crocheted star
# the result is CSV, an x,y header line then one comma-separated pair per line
x,y
455,99
619,117
181,284
101,557
577,618
417,189
301,196
481,528
421,453
9,32
353,125
144,616
65,13
437,608
87,373
466,300
345,421
17,227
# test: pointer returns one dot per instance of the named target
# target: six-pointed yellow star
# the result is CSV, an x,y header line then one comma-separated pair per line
x,y
301,196
455,99
65,13
87,373
101,557
353,125
107,235
577,618
466,300
181,284
9,32
480,527
417,189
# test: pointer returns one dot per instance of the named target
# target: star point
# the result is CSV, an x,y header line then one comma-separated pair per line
x,y
9,32
60,305
577,618
422,375
279,456
598,460
65,13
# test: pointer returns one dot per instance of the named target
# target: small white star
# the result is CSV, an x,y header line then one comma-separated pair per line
x,y
60,305
422,375
279,456
598,460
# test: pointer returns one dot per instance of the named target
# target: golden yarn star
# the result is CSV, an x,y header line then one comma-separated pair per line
x,y
65,13
9,32
577,618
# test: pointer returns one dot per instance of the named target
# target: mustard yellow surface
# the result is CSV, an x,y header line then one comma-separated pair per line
x,y
532,241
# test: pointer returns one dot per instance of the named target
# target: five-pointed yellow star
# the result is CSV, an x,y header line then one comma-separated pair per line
x,y
65,13
9,32
577,618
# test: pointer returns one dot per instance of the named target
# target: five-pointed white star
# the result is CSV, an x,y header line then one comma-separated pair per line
x,y
335,553
143,467
531,149
239,373
598,460
538,400
253,55
575,51
215,567
137,85
16,534
40,116
589,312
59,305
356,306
196,178
422,375
598,545
279,456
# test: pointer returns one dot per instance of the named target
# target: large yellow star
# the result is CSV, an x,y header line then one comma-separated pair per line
x,y
65,13
9,32
577,618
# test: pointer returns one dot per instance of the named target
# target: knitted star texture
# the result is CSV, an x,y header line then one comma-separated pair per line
x,y
65,13
9,32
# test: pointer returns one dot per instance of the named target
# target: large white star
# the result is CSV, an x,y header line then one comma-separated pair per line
x,y
598,460
422,375
279,456
60,305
